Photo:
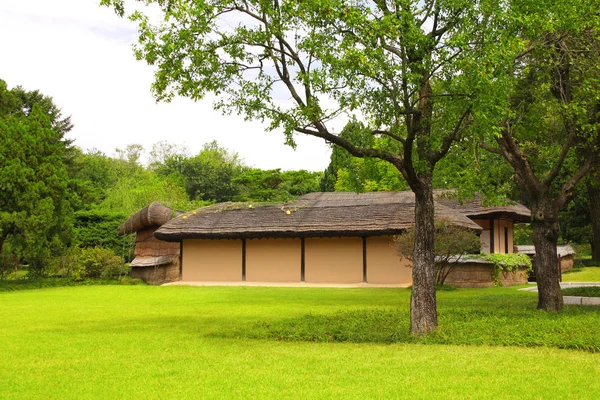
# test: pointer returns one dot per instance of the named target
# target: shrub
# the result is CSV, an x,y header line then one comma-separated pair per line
x,y
8,264
115,268
66,265
98,228
96,262
506,263
451,244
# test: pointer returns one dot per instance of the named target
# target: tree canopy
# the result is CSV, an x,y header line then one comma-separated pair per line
x,y
35,212
410,72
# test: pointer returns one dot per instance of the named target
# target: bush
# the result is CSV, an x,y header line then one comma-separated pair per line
x,y
451,243
93,262
8,264
96,262
115,268
66,265
507,263
98,228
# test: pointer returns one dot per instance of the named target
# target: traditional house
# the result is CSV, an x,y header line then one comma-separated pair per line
x,y
336,238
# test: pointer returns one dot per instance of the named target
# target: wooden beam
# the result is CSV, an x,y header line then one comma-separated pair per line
x,y
243,260
364,244
302,261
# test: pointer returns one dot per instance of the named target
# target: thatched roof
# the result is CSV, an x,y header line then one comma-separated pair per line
x,y
152,261
562,251
312,215
153,215
475,207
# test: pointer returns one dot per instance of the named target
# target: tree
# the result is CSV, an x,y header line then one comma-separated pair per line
x,y
91,174
35,213
550,136
451,244
411,70
580,221
346,173
273,185
593,190
208,176
163,150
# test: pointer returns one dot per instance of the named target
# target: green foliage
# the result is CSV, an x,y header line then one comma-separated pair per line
x,y
208,176
506,263
576,218
91,174
275,186
137,187
97,262
98,228
8,264
586,291
346,173
451,244
35,212
47,283
92,262
523,234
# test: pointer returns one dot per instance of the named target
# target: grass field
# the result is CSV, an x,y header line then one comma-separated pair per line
x,y
136,342
587,274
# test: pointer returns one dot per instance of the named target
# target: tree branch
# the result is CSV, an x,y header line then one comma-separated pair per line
x,y
489,148
355,150
389,134
567,189
561,158
448,140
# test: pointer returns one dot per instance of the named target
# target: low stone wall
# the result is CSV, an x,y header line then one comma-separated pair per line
x,y
475,274
157,275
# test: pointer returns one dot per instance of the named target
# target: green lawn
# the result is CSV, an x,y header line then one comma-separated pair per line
x,y
136,342
587,274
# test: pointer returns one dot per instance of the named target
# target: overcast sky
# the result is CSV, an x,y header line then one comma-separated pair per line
x,y
80,54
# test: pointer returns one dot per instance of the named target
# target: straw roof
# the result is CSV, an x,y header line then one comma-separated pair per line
x,y
474,208
152,261
562,251
312,215
153,215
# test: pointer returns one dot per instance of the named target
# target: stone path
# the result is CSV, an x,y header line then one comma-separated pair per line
x,y
577,300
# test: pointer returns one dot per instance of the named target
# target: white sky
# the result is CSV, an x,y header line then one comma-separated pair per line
x,y
81,55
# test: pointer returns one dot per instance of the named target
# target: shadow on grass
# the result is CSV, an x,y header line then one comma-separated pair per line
x,y
499,323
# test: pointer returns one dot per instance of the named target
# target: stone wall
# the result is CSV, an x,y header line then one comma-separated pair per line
x,y
479,275
157,275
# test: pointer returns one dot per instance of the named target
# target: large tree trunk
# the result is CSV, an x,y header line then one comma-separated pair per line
x,y
423,311
594,202
545,237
